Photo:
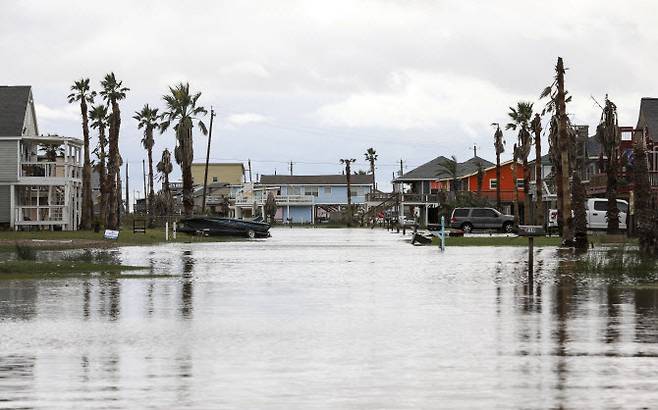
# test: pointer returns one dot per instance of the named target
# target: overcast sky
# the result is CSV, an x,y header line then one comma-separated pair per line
x,y
315,81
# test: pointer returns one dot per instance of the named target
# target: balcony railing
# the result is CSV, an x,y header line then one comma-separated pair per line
x,y
36,215
420,198
281,200
43,169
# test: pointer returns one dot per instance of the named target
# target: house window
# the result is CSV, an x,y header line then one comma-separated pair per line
x,y
311,190
294,190
519,183
493,183
215,179
327,190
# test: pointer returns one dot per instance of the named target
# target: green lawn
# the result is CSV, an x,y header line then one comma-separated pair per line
x,y
91,239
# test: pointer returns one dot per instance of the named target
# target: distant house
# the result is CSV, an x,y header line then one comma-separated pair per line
x,y
225,173
40,175
302,198
423,184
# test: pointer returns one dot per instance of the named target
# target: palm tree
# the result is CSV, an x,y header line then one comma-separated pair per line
x,y
81,93
607,132
183,110
499,144
113,92
164,168
579,199
520,117
99,121
348,172
539,209
148,119
452,168
371,157
562,147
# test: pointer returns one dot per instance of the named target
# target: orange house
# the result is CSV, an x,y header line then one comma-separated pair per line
x,y
470,182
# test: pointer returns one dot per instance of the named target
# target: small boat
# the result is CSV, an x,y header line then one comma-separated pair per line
x,y
217,226
421,238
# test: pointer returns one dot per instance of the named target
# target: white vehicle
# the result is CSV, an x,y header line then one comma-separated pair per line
x,y
596,213
597,209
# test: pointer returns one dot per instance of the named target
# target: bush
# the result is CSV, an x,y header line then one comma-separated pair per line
x,y
26,253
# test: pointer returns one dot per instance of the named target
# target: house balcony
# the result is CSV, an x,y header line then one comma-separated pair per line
x,y
34,215
412,198
598,183
39,172
281,200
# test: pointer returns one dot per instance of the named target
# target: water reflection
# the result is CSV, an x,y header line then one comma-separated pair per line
x,y
290,323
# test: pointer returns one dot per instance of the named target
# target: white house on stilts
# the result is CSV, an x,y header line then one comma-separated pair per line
x,y
40,175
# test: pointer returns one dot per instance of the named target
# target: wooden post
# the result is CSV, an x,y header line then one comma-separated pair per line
x,y
531,243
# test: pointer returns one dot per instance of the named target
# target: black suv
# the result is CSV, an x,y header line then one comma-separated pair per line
x,y
468,219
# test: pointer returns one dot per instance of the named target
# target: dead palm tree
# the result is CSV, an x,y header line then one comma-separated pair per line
x,y
535,125
164,168
82,94
348,164
113,91
608,135
515,163
646,231
557,104
499,144
99,121
520,117
371,157
148,119
182,110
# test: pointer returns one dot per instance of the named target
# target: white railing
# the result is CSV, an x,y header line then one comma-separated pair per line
x,y
281,200
47,169
33,215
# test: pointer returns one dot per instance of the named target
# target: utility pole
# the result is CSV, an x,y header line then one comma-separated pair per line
x,y
146,203
249,162
475,150
127,191
401,171
290,167
205,175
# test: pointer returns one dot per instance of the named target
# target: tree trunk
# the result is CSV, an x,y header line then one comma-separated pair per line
x,y
539,208
498,204
563,138
526,190
374,181
187,158
643,216
87,201
516,188
102,177
151,194
579,198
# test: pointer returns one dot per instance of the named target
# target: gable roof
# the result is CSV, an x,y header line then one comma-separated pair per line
x,y
315,179
436,170
13,106
648,116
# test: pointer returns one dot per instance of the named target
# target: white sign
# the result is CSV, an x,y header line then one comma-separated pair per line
x,y
110,234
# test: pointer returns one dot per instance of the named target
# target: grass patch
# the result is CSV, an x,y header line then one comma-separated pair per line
x,y
53,240
619,262
22,269
498,241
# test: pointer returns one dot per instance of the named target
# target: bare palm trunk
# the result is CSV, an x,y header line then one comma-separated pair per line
x,y
643,214
611,193
539,208
526,190
151,190
498,205
372,170
563,138
87,201
187,157
516,187
349,195
102,176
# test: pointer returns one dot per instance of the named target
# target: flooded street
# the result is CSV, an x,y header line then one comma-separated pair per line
x,y
329,318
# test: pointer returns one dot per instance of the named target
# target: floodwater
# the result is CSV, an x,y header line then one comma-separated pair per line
x,y
329,319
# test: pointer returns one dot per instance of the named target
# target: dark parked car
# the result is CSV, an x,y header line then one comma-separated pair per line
x,y
224,226
468,219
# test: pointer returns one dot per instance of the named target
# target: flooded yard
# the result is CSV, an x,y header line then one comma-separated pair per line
x,y
329,318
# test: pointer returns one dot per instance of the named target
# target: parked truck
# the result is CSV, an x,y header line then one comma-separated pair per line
x,y
596,211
